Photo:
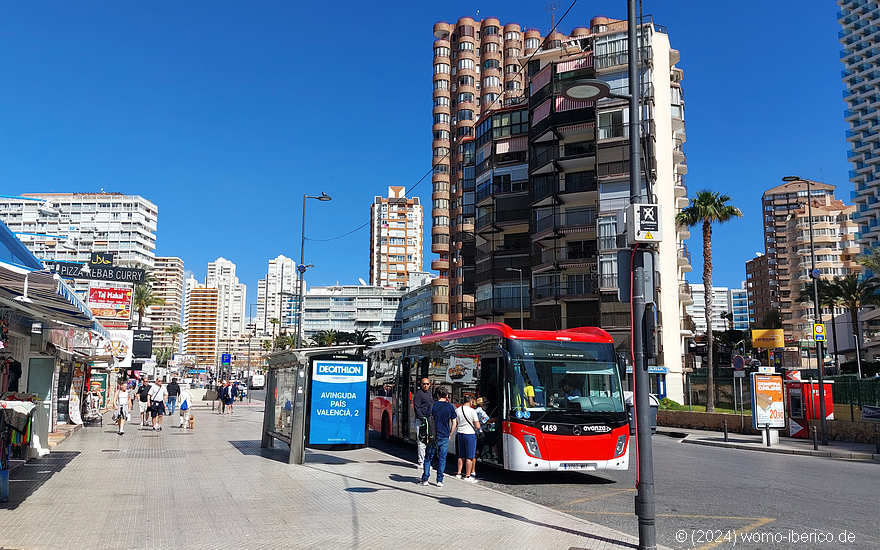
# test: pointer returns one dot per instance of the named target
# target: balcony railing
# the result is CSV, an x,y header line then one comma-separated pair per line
x,y
572,218
501,304
569,289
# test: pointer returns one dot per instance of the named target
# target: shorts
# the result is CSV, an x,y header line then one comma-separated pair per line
x,y
143,405
466,445
157,408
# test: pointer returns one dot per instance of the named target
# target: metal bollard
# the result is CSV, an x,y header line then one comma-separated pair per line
x,y
815,441
725,430
767,429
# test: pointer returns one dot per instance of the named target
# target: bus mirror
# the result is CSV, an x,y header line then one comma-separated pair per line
x,y
621,365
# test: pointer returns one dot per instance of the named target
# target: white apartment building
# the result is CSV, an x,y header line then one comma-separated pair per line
x,y
69,226
720,307
395,238
232,296
351,307
277,296
167,285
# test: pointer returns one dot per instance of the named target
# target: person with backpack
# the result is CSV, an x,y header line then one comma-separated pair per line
x,y
185,405
422,403
441,424
466,438
143,394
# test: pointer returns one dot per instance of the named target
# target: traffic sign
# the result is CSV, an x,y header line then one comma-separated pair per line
x,y
226,358
739,362
819,332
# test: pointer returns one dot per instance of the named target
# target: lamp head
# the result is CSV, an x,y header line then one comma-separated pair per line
x,y
324,197
586,89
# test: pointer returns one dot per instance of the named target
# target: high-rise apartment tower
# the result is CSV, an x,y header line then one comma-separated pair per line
x,y
232,297
201,316
395,238
167,286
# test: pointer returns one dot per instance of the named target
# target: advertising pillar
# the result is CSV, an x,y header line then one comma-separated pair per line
x,y
337,418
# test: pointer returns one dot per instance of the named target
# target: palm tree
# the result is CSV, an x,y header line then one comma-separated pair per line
x,y
728,316
828,297
274,322
266,345
326,338
163,355
362,337
708,208
854,293
143,298
871,260
174,330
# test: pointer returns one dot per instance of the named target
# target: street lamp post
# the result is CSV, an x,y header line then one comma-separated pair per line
x,y
592,89
301,268
814,273
518,270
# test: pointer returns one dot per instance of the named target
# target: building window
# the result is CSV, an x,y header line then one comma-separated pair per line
x,y
511,35
464,131
466,97
466,80
441,203
441,51
466,63
490,31
533,43
491,81
441,84
441,118
441,134
611,125
441,68
465,114
512,52
490,47
441,221
465,46
441,151
441,100
491,64
489,99
513,85
511,69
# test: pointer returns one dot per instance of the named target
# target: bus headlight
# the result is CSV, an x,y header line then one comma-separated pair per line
x,y
532,445
621,445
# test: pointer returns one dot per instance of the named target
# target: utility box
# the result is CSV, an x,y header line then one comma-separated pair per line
x,y
643,224
802,398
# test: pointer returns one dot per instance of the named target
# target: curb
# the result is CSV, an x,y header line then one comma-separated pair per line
x,y
852,456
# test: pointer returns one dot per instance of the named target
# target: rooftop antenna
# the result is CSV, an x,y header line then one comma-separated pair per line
x,y
552,7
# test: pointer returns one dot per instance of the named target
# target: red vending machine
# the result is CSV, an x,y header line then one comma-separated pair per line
x,y
802,403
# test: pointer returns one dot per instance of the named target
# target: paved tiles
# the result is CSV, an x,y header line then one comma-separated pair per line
x,y
215,488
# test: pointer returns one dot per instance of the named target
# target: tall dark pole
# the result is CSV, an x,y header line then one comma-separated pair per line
x,y
520,300
300,271
820,354
644,502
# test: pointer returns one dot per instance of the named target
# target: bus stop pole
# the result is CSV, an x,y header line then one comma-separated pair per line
x,y
644,500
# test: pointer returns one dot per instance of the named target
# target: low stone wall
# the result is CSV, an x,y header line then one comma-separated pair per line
x,y
705,421
838,430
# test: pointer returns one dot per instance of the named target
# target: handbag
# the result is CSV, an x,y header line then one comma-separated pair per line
x,y
185,405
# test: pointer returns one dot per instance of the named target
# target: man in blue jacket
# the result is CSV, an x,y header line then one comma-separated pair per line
x,y
446,423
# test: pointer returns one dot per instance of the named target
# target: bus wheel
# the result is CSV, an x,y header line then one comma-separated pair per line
x,y
386,427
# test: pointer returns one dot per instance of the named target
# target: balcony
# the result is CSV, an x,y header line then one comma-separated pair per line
x,y
684,293
608,281
684,259
501,305
562,257
572,221
570,290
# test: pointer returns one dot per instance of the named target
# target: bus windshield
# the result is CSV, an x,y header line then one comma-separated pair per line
x,y
577,377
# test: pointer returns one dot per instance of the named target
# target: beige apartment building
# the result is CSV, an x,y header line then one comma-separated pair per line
x,y
202,307
167,286
395,238
834,238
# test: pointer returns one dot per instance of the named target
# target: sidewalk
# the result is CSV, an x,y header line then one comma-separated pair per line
x,y
215,488
842,450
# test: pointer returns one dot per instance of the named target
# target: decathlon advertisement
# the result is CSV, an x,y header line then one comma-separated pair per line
x,y
338,407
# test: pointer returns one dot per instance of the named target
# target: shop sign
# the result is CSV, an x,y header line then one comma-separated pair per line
x,y
101,259
770,338
767,404
70,270
338,403
119,346
112,304
142,344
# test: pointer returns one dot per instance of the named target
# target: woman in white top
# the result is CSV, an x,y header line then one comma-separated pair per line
x,y
185,401
484,419
466,438
123,406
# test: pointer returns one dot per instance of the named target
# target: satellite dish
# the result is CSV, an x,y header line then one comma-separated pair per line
x,y
363,282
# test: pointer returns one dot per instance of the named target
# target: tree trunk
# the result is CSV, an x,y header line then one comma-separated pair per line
x,y
707,293
140,318
834,335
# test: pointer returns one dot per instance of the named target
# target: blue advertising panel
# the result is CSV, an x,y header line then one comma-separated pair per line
x,y
338,403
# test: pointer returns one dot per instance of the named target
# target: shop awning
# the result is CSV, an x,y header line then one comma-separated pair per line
x,y
48,298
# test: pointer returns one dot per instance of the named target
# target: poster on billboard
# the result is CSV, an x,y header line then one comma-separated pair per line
x,y
768,408
770,338
119,347
110,304
338,403
142,343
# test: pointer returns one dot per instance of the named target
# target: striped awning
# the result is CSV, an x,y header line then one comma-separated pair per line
x,y
575,129
581,63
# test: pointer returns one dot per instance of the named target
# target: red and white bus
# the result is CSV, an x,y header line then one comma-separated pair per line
x,y
554,398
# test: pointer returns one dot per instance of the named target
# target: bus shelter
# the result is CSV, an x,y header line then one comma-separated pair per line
x,y
316,398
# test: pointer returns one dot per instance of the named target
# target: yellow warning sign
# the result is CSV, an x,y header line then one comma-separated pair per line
x,y
649,236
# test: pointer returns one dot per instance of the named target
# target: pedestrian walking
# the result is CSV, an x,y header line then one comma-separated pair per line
x,y
481,433
143,393
228,397
123,406
221,387
466,438
422,403
185,405
173,392
444,420
158,396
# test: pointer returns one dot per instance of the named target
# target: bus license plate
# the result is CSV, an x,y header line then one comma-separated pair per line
x,y
578,466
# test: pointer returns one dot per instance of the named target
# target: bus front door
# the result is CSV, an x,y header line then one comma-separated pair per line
x,y
490,389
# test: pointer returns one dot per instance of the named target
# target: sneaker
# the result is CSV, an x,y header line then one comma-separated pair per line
x,y
459,476
439,484
425,483
472,480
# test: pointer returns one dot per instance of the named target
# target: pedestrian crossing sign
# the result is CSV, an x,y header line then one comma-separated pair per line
x,y
819,332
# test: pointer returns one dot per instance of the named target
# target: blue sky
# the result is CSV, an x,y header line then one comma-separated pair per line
x,y
225,113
